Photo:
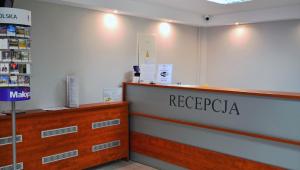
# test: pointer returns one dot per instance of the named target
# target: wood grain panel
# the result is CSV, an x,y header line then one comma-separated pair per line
x,y
190,157
33,147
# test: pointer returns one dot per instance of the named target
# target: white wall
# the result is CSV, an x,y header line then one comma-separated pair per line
x,y
264,56
74,40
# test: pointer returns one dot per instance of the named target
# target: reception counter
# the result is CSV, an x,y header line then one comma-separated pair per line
x,y
71,139
189,127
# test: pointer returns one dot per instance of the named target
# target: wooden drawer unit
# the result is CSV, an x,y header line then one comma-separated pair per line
x,y
67,139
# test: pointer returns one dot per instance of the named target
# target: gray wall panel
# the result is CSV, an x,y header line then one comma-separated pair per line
x,y
278,154
263,115
153,162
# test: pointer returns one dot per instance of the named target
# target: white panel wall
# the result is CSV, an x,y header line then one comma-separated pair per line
x,y
74,40
263,56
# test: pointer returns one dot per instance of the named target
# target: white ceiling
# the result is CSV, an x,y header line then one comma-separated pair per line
x,y
206,7
191,12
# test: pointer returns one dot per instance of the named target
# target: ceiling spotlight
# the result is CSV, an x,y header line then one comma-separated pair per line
x,y
226,2
110,21
165,29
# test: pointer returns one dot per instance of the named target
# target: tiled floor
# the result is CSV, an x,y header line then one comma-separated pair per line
x,y
123,165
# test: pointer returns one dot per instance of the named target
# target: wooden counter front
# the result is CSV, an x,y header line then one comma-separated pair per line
x,y
70,131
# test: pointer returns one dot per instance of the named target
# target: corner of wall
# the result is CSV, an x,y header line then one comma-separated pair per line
x,y
202,53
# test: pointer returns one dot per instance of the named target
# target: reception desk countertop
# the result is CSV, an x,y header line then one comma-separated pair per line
x,y
277,94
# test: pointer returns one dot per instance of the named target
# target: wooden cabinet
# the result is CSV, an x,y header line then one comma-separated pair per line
x,y
68,139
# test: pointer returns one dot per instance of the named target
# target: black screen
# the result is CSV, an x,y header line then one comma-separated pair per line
x,y
7,3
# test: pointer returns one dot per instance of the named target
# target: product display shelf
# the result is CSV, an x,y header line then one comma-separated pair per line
x,y
15,63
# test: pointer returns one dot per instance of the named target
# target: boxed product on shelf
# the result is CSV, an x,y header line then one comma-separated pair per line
x,y
22,44
3,30
13,43
13,80
4,43
4,68
4,80
5,56
14,68
11,30
20,31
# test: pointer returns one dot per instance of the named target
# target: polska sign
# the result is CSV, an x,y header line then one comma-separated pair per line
x,y
15,16
204,104
8,16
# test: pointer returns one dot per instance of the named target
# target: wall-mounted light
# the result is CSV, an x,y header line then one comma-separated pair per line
x,y
165,29
110,21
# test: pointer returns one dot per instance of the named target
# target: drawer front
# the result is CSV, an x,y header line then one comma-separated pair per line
x,y
68,141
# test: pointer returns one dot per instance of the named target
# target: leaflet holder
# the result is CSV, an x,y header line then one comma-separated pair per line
x,y
15,61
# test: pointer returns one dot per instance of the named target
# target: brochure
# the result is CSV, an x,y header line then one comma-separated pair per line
x,y
25,56
5,56
112,94
14,68
22,81
13,80
28,44
148,72
4,80
16,56
3,30
164,73
20,31
22,44
11,30
27,80
4,68
27,32
22,68
13,43
3,43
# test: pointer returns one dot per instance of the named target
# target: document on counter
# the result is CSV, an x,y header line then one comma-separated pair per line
x,y
54,108
164,73
112,94
148,73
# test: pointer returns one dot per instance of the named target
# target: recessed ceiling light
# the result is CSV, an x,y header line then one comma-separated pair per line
x,y
225,2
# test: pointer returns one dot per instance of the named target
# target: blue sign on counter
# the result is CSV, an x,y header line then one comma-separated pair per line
x,y
15,94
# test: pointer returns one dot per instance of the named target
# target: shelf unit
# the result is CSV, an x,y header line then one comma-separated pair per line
x,y
15,42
